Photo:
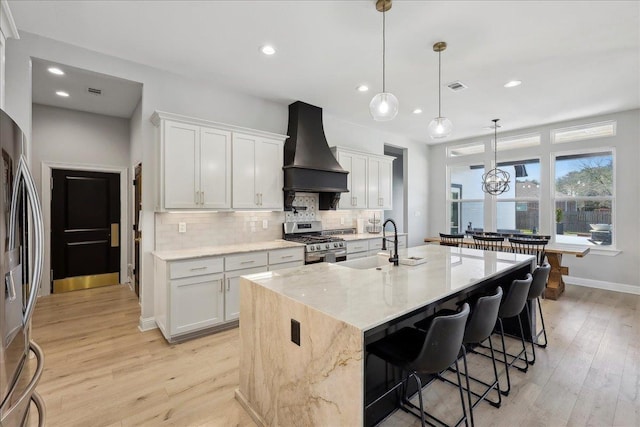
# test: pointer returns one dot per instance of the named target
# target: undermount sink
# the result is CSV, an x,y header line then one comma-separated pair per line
x,y
368,262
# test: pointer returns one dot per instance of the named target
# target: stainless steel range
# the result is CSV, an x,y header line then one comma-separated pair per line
x,y
319,247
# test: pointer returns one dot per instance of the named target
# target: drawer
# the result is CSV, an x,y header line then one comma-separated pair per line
x,y
376,244
291,264
286,255
357,246
195,267
242,261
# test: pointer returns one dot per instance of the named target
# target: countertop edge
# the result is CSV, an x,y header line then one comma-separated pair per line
x,y
180,254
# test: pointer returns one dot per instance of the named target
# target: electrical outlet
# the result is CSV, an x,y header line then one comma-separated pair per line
x,y
265,224
295,331
182,227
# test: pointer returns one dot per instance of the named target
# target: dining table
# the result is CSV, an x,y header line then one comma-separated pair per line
x,y
553,251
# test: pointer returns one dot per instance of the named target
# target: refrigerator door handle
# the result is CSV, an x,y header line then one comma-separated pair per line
x,y
23,175
11,286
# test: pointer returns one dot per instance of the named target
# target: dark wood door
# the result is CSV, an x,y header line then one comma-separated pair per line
x,y
85,229
137,238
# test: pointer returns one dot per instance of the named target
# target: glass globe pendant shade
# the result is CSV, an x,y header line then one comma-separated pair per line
x,y
383,107
440,127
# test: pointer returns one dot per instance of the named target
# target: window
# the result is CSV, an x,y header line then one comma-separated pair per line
x,y
518,209
465,150
466,199
520,141
578,133
585,198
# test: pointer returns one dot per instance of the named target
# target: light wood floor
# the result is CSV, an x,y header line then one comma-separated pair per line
x,y
100,370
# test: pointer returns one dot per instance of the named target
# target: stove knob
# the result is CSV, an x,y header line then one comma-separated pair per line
x,y
318,247
326,246
310,248
335,245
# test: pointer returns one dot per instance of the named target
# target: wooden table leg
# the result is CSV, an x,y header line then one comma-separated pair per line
x,y
555,285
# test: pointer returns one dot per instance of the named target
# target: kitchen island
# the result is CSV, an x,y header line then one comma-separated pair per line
x,y
303,331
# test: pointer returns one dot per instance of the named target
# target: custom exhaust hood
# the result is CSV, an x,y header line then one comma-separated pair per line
x,y
309,165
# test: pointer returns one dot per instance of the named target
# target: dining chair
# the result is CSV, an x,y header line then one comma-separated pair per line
x,y
488,243
451,239
530,246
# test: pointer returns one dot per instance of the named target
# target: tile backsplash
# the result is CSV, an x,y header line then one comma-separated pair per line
x,y
228,228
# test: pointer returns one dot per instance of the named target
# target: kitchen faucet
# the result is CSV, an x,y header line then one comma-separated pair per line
x,y
393,258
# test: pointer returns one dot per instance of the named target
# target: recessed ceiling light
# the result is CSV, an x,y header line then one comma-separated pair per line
x,y
268,49
362,88
62,94
56,71
513,83
417,111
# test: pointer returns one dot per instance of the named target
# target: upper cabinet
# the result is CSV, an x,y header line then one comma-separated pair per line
x,y
380,182
257,172
369,181
208,165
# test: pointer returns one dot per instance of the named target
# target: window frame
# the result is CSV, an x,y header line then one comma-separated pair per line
x,y
554,198
450,200
554,132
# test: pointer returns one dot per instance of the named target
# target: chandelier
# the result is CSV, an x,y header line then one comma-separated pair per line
x,y
496,181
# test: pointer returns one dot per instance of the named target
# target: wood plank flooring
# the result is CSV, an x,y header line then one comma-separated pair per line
x,y
100,370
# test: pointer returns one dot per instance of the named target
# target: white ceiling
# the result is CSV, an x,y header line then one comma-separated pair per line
x,y
119,97
575,58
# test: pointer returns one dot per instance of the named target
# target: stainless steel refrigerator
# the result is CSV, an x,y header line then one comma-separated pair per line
x,y
21,238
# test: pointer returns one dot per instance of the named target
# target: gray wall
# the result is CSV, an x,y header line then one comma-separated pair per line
x,y
615,270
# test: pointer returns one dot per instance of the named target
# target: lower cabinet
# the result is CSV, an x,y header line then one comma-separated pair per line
x,y
369,247
196,294
204,297
232,291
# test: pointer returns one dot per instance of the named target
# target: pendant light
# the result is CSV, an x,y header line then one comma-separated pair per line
x,y
440,127
384,106
496,181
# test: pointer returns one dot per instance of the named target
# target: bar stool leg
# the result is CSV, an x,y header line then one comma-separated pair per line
x,y
466,375
506,364
544,329
495,373
524,350
422,418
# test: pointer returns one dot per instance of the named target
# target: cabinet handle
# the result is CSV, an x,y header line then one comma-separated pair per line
x,y
248,262
260,198
198,268
196,197
228,285
202,197
256,199
286,256
221,285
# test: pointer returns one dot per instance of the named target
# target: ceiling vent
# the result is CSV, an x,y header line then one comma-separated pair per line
x,y
456,86
94,91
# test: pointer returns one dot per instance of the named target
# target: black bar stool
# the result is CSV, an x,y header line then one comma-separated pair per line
x,y
539,283
418,352
480,325
530,246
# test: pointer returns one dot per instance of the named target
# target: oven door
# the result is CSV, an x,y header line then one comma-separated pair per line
x,y
325,256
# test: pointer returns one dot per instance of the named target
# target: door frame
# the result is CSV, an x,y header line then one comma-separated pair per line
x,y
47,167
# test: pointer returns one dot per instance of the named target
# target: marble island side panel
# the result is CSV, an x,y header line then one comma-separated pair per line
x,y
318,382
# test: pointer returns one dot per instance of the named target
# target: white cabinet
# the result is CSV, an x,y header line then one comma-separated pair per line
x,y
380,174
196,166
257,172
209,165
356,165
232,291
370,179
204,299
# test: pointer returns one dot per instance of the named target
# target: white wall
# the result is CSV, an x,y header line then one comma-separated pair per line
x,y
173,93
619,269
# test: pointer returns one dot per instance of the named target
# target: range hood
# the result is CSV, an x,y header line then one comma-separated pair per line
x,y
309,165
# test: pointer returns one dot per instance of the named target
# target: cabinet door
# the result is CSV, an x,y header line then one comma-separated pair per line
x,y
181,168
269,175
244,155
356,165
232,291
380,181
215,168
196,303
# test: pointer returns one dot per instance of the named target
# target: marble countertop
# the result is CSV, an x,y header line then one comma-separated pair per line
x,y
370,297
225,250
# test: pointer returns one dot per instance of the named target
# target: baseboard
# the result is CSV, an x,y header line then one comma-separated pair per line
x,y
147,324
599,284
247,407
